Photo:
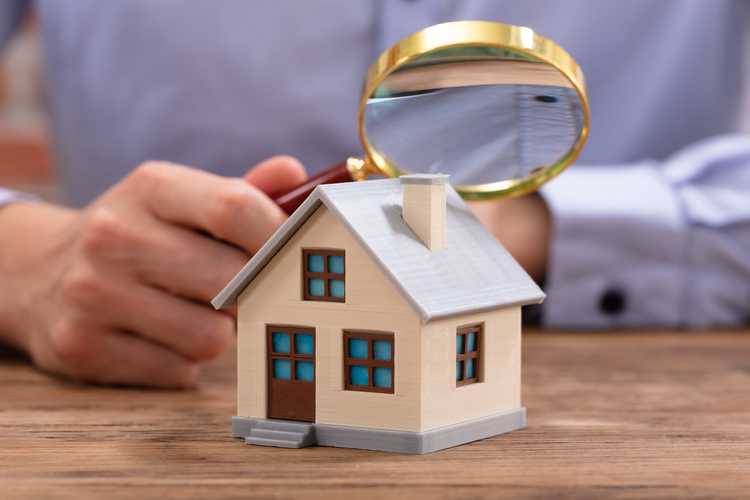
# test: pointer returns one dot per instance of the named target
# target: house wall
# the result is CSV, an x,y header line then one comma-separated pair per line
x,y
500,369
372,303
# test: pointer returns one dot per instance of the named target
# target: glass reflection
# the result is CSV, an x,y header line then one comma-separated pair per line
x,y
481,121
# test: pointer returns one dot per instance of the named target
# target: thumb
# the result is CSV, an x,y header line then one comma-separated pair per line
x,y
277,174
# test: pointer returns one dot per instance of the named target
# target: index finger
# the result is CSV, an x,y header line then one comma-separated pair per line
x,y
228,209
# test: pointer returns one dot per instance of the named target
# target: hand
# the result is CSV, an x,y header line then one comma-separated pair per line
x,y
118,292
523,225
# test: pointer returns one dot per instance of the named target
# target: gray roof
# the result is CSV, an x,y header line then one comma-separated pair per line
x,y
473,272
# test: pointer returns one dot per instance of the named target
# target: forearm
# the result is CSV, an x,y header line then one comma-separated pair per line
x,y
25,230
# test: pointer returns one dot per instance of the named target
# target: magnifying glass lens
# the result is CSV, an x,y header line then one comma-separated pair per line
x,y
482,120
477,134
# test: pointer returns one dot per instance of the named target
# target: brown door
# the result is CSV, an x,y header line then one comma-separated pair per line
x,y
291,372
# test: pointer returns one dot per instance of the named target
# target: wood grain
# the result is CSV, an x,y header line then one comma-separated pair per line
x,y
626,415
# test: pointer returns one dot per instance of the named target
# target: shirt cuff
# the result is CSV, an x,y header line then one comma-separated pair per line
x,y
7,196
618,248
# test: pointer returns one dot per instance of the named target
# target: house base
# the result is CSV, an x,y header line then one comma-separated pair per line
x,y
386,440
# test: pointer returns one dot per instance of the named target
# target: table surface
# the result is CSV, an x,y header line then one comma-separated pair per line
x,y
620,415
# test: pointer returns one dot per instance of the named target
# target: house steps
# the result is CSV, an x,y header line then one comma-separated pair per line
x,y
281,434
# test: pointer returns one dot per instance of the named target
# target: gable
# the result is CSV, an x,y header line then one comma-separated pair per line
x,y
279,284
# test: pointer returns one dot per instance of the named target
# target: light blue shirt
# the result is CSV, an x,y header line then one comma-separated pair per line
x,y
652,226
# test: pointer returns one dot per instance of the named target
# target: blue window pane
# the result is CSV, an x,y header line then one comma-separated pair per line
x,y
315,287
304,370
303,344
358,375
314,263
471,341
382,377
382,350
282,369
336,288
358,348
336,264
469,368
280,342
459,344
459,370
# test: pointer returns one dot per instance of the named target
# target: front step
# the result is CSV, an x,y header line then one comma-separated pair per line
x,y
278,443
282,425
282,434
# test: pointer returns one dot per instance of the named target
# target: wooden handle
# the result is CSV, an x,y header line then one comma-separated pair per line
x,y
292,199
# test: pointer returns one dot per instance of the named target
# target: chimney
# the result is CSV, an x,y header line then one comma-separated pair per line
x,y
424,207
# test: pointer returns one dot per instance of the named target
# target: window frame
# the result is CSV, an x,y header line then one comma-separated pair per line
x,y
325,275
292,356
476,355
370,362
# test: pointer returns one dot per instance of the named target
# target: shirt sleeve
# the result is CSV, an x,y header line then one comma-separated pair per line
x,y
653,243
7,196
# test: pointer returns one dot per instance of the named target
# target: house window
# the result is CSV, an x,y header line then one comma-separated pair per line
x,y
468,354
323,275
368,362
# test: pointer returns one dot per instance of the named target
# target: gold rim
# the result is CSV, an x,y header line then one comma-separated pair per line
x,y
477,33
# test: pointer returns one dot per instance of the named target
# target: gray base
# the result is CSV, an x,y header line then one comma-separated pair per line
x,y
398,441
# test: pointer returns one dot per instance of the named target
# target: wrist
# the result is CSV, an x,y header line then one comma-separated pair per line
x,y
523,226
28,232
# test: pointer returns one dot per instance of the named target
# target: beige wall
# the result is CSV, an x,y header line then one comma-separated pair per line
x,y
500,387
372,303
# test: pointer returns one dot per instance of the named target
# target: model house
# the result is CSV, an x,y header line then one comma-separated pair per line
x,y
381,315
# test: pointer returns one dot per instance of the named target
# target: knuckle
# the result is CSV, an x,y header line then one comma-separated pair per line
x,y
72,343
42,353
149,172
102,230
81,287
234,202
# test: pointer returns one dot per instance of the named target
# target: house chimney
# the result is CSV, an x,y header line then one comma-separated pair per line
x,y
424,207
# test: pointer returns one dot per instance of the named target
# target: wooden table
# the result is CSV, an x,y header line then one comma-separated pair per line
x,y
627,415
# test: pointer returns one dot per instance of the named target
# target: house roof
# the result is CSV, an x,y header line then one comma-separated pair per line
x,y
472,273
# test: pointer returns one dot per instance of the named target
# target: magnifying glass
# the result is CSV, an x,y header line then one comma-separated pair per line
x,y
496,106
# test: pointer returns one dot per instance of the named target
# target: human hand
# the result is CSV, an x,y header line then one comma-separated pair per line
x,y
118,292
523,225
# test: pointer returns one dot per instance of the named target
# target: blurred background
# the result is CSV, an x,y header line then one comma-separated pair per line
x,y
26,162
25,159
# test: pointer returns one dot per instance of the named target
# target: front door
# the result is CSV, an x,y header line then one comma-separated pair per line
x,y
291,372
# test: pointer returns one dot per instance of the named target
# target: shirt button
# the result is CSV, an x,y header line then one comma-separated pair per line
x,y
612,302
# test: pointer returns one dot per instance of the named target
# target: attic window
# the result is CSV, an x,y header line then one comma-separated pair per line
x,y
323,275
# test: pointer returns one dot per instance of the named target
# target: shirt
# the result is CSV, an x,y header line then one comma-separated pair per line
x,y
651,226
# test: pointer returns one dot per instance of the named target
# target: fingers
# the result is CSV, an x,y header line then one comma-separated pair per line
x,y
229,209
192,330
198,267
96,355
277,174
164,255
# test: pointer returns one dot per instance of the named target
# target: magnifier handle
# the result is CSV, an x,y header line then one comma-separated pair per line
x,y
290,200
